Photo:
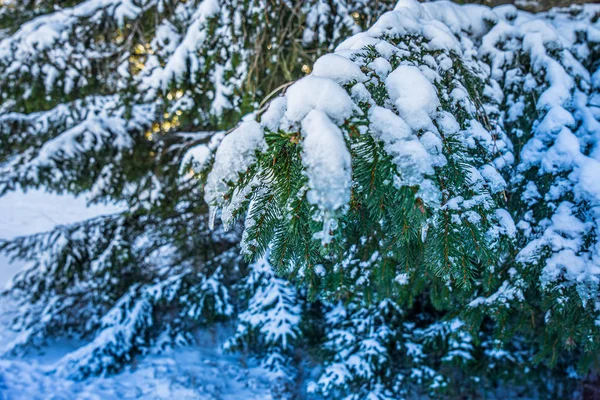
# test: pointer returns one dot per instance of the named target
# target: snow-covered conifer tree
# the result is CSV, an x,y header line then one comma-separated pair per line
x,y
270,324
371,171
420,207
384,173
123,100
542,97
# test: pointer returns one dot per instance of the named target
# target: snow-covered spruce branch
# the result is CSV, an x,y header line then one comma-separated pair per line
x,y
298,180
270,325
379,139
117,281
130,328
75,79
65,145
542,93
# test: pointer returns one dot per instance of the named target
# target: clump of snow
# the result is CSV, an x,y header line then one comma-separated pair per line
x,y
407,152
199,156
196,157
271,119
235,154
327,162
493,178
415,98
381,67
387,126
506,222
314,93
338,68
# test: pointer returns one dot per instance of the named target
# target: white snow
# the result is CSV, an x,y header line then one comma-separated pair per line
x,y
83,126
315,93
235,154
338,68
381,67
327,162
194,372
387,126
415,98
407,152
50,33
197,157
563,145
184,53
272,117
273,308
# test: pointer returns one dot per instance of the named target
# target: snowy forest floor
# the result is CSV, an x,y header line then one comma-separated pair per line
x,y
199,372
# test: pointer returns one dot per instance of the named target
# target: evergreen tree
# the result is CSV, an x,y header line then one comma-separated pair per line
x,y
384,168
123,101
270,324
374,198
375,166
541,74
372,183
